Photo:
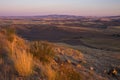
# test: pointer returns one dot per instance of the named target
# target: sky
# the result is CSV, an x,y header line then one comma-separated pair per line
x,y
64,7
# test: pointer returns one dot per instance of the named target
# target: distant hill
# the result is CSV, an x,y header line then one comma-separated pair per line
x,y
59,16
43,16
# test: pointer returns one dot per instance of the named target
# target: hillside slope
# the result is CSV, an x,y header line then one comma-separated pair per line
x,y
40,60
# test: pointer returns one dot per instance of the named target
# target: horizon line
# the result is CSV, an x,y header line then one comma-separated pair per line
x,y
54,15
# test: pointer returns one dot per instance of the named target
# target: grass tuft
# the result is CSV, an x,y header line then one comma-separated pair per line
x,y
66,72
23,63
42,50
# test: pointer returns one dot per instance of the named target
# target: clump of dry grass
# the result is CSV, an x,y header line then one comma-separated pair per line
x,y
42,50
23,63
9,33
47,72
22,59
50,73
66,72
14,53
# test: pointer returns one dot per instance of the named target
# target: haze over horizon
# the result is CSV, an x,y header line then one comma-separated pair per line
x,y
64,7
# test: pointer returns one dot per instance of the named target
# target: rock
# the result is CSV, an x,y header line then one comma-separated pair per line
x,y
58,49
114,72
62,52
69,61
78,66
61,64
105,71
91,68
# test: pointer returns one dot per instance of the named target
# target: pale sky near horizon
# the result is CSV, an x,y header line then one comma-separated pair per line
x,y
70,7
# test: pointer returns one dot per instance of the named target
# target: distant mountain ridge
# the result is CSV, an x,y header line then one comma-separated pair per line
x,y
56,17
43,16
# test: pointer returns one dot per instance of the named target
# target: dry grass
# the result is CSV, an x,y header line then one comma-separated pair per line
x,y
42,51
23,63
46,71
50,73
22,59
66,72
14,56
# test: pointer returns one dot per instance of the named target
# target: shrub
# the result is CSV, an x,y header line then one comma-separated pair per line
x,y
42,50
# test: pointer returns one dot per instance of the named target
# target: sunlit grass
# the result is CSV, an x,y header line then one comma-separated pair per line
x,y
23,62
42,50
